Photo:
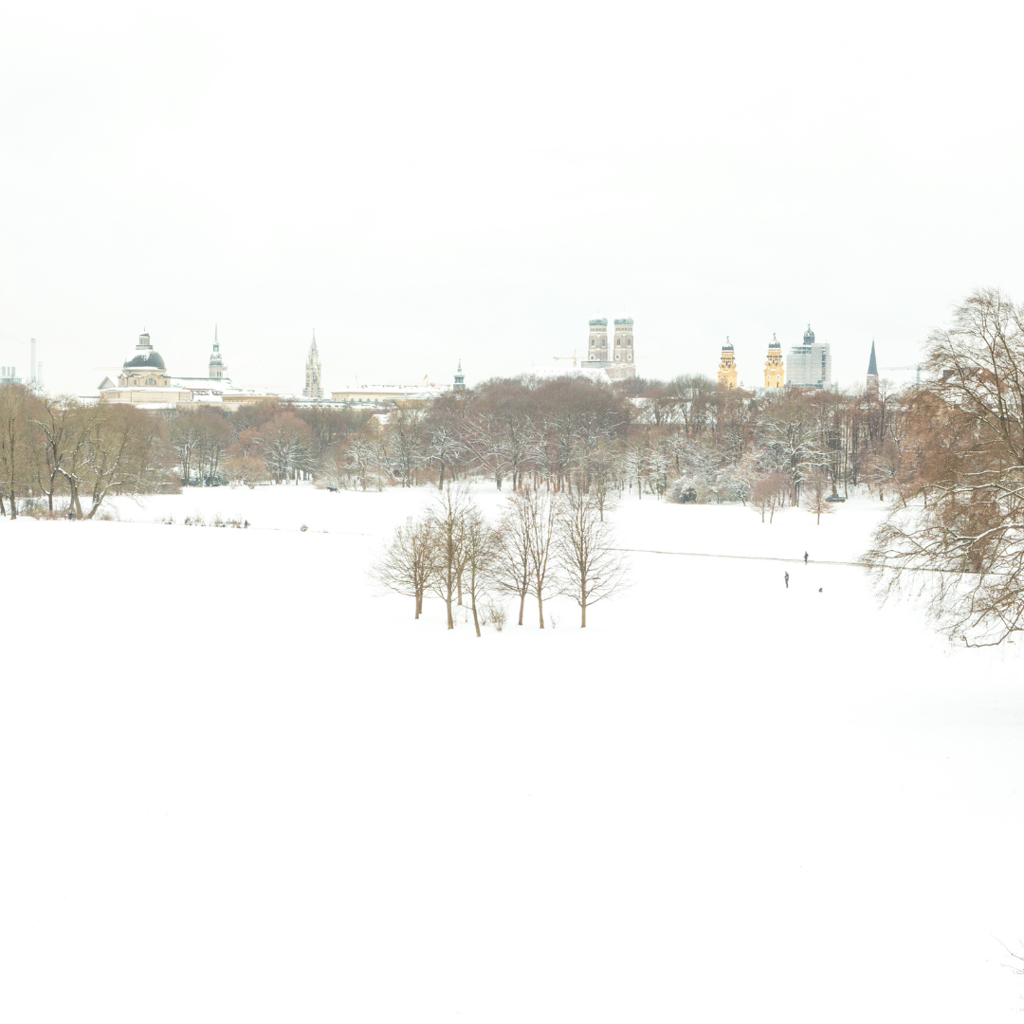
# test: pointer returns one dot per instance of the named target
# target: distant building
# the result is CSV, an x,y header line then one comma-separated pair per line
x,y
619,360
382,394
217,367
460,379
809,365
773,370
871,388
727,372
8,375
314,384
144,380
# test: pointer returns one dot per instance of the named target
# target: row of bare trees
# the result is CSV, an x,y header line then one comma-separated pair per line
x,y
267,442
542,545
69,456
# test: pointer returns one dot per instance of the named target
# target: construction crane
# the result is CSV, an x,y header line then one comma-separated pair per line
x,y
572,357
917,368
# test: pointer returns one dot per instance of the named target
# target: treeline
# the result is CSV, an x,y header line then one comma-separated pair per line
x,y
688,439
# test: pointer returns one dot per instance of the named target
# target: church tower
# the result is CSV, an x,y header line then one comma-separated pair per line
x,y
460,379
314,386
624,343
872,383
773,373
217,367
597,350
727,373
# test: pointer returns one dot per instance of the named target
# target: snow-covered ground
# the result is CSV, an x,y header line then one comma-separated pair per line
x,y
238,784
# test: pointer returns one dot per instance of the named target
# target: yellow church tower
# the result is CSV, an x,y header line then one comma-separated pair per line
x,y
727,367
774,376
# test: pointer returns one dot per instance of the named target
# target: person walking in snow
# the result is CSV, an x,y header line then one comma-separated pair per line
x,y
805,558
787,580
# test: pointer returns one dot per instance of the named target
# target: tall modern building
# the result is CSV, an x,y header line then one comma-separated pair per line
x,y
809,365
314,384
727,372
217,367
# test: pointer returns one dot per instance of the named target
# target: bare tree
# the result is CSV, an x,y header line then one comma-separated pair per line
x,y
448,514
409,566
768,493
512,567
817,488
59,421
542,517
590,568
286,443
403,442
959,544
18,433
126,452
480,543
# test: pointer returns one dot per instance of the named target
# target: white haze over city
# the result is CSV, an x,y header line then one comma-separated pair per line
x,y
422,184
241,784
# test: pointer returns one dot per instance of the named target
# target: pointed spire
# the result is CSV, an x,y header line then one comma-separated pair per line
x,y
872,366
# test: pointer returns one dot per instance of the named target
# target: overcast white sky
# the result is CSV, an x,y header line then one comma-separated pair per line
x,y
421,183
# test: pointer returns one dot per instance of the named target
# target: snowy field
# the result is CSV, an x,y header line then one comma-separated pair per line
x,y
240,785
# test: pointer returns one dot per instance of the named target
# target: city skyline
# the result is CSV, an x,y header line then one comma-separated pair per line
x,y
744,363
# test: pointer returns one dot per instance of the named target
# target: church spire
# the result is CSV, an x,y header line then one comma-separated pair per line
x,y
871,388
314,385
217,367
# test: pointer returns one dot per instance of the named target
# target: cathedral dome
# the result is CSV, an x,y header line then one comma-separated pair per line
x,y
727,347
144,356
775,343
808,336
151,359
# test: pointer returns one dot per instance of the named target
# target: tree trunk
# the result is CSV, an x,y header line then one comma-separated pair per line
x,y
583,615
522,606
